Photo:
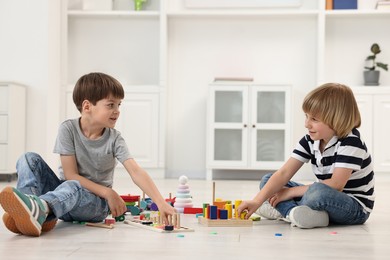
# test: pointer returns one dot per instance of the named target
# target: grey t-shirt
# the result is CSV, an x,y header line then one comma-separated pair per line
x,y
96,159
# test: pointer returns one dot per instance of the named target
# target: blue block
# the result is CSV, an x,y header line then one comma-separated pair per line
x,y
223,214
344,4
213,212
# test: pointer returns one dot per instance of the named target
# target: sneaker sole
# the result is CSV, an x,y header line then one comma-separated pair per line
x,y
9,223
17,209
312,218
265,209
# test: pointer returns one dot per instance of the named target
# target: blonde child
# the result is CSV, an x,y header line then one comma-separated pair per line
x,y
344,193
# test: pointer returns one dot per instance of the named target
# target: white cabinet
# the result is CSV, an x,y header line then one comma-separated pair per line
x,y
374,107
248,127
13,125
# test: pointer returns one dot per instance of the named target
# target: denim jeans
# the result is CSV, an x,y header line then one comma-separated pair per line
x,y
341,208
68,200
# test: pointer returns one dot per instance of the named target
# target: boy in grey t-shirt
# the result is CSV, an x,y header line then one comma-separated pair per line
x,y
89,148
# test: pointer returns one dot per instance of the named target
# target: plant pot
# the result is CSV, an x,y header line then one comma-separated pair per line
x,y
371,78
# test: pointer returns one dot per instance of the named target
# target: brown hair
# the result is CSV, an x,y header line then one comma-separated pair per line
x,y
96,86
335,105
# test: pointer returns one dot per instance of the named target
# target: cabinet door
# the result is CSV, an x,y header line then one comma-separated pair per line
x,y
139,126
3,129
365,104
4,100
269,135
228,127
381,129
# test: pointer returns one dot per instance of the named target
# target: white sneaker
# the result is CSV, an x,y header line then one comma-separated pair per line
x,y
269,212
305,217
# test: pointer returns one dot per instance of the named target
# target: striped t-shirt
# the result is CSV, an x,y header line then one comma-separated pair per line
x,y
349,152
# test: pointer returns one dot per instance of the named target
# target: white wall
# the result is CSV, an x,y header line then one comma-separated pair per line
x,y
29,54
204,48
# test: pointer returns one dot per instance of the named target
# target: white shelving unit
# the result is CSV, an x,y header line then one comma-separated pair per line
x,y
126,44
177,51
374,106
13,126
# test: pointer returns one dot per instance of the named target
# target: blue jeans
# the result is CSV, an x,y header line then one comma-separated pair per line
x,y
341,208
68,200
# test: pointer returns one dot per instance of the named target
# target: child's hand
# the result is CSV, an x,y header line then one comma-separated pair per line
x,y
115,203
248,205
165,210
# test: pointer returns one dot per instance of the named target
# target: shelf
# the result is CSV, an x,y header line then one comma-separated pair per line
x,y
176,51
239,13
356,13
113,13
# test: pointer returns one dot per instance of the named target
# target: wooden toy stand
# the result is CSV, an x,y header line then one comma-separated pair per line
x,y
225,222
231,222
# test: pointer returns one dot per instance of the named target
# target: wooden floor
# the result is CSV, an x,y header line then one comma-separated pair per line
x,y
265,240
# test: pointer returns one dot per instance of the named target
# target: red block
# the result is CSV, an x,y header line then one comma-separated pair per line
x,y
130,198
192,210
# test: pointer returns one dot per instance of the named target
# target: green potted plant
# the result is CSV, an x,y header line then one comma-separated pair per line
x,y
371,75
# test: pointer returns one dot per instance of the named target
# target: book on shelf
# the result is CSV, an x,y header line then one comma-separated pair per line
x,y
329,5
383,5
230,79
344,4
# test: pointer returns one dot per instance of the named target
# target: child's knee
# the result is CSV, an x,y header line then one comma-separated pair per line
x,y
29,158
316,192
265,179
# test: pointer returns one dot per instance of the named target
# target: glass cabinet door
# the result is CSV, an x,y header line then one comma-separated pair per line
x,y
228,107
269,117
229,125
270,107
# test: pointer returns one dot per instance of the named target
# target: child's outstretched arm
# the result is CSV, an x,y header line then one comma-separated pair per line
x,y
273,186
142,179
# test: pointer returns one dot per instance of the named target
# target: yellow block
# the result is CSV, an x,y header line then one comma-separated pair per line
x,y
236,204
229,208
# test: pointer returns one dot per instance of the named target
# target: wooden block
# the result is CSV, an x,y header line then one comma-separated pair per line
x,y
158,229
225,222
192,210
100,225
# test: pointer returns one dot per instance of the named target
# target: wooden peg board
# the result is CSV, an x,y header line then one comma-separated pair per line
x,y
225,222
157,229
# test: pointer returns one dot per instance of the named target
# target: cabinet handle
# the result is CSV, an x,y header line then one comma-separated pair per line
x,y
254,126
245,125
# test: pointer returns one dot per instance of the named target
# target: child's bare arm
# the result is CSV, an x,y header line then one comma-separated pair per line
x,y
274,185
142,179
339,178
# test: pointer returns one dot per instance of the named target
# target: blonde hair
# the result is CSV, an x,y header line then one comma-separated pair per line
x,y
335,105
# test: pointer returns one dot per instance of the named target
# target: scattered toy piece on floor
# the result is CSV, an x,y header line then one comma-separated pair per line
x,y
154,223
100,225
